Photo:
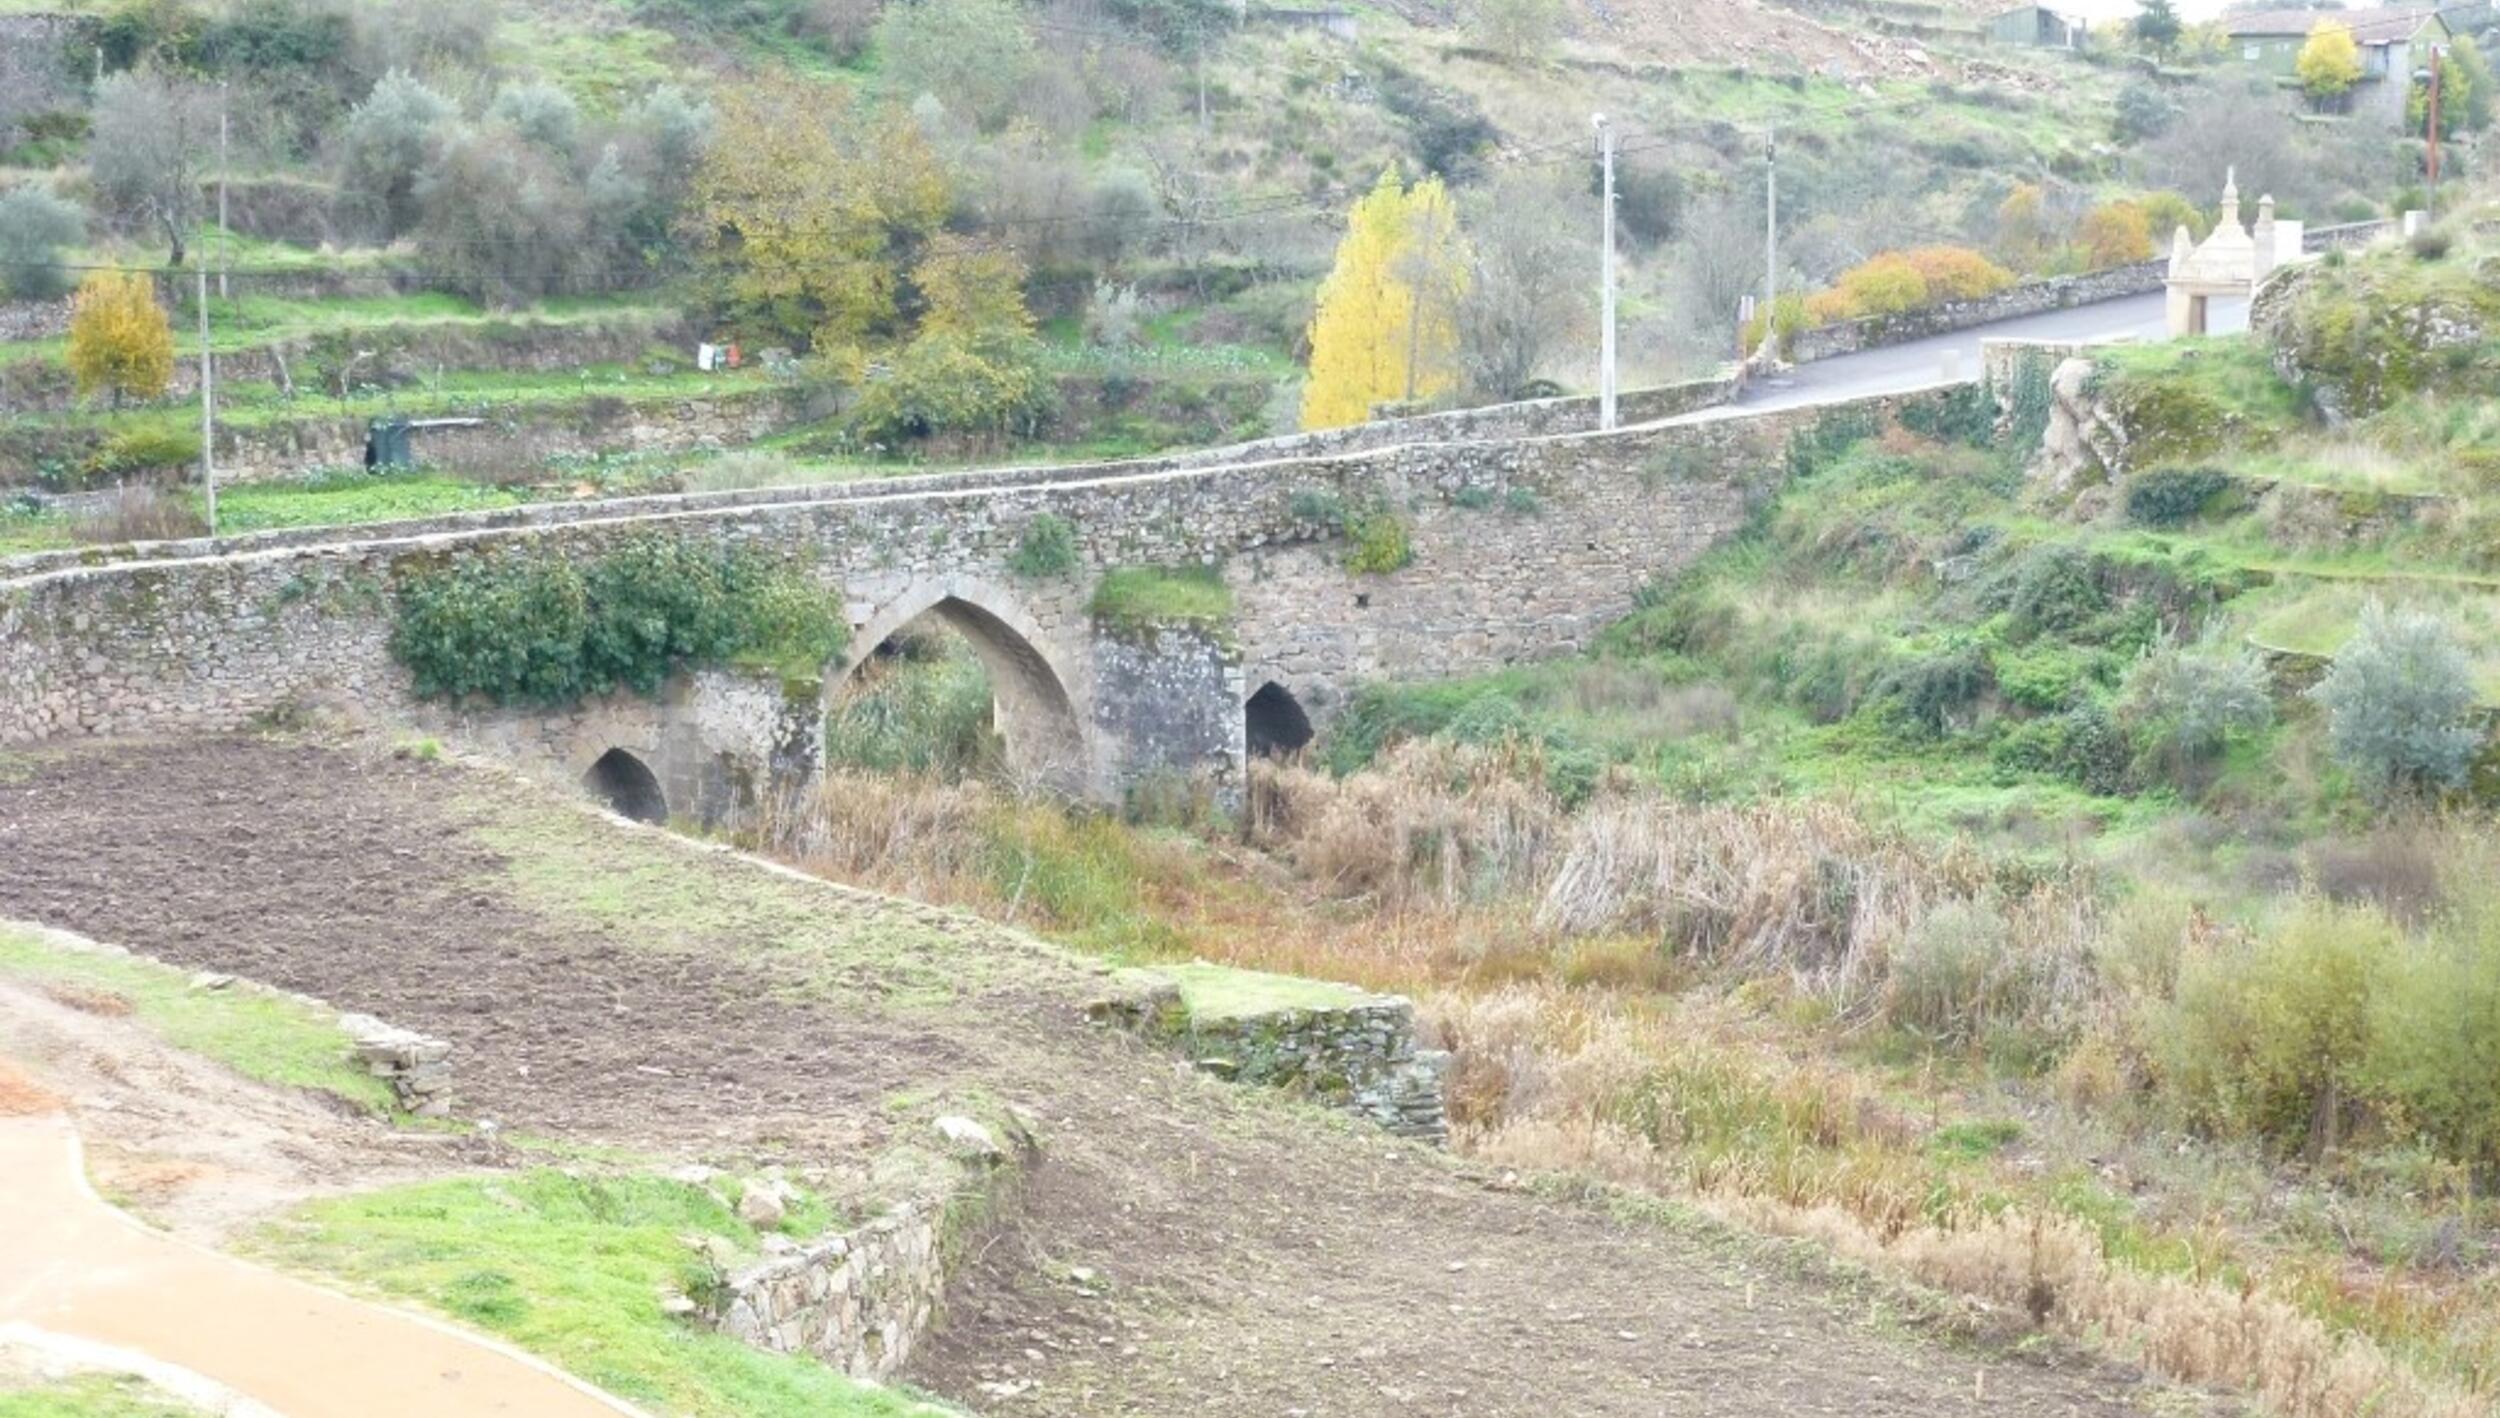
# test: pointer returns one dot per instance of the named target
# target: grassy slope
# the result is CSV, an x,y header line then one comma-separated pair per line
x,y
257,1032
572,1268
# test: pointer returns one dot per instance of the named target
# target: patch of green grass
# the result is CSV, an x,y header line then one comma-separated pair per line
x,y
347,498
1974,1141
573,1268
258,1033
663,897
1140,597
93,1396
1217,992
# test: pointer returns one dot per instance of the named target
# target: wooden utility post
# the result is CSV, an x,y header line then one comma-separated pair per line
x,y
208,406
1606,279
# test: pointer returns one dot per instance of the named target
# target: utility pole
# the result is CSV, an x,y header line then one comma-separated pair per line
x,y
1606,282
1771,244
208,407
2438,56
224,108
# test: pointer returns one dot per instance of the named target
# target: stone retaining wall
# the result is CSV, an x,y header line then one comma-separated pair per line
x,y
861,1299
1362,1058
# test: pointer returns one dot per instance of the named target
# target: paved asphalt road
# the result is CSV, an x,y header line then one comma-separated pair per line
x,y
1947,359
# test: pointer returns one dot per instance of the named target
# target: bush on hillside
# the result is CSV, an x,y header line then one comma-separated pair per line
x,y
1896,282
2184,707
2399,704
2166,497
2268,1033
34,227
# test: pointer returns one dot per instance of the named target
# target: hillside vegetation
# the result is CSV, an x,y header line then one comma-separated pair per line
x,y
2063,882
942,230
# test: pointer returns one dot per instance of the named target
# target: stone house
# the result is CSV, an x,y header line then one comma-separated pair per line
x,y
2395,40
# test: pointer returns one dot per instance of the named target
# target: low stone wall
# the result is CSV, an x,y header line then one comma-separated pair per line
x,y
1363,1058
2030,298
861,1299
34,319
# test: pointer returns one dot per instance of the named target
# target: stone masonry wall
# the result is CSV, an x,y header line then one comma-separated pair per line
x,y
2028,298
1523,550
2031,298
1363,1058
857,1301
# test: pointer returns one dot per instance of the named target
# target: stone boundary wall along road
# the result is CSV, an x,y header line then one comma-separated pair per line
x,y
2030,298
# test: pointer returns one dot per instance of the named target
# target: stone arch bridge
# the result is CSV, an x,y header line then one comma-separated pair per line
x,y
1522,548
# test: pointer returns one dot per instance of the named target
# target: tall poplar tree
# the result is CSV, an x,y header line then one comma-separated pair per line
x,y
1387,323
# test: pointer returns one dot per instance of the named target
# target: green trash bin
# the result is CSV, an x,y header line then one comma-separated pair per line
x,y
387,445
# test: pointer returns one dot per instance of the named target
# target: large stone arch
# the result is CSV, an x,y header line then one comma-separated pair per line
x,y
1038,716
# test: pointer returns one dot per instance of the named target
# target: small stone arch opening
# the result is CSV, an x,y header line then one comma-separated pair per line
x,y
1273,723
1026,714
628,786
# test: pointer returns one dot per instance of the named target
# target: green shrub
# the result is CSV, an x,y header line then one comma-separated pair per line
x,y
1964,414
2183,708
2435,1033
1489,718
1047,548
2046,676
1523,501
1928,693
137,451
1474,499
1382,543
925,709
2399,704
2269,1033
34,228
1318,507
2083,745
518,628
2167,497
1811,450
2055,588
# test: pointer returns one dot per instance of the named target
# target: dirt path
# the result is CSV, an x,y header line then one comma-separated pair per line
x,y
1184,1247
71,1265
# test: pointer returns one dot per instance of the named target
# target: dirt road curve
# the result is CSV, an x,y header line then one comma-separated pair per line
x,y
71,1265
1248,1259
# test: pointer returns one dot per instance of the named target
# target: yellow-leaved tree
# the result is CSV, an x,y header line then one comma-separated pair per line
x,y
2329,64
119,339
809,206
1387,323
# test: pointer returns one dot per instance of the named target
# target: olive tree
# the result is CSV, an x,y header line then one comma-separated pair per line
x,y
153,134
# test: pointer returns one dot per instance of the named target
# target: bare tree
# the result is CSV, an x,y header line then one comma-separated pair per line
x,y
1533,270
153,134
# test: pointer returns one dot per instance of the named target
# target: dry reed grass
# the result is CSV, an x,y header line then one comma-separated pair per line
x,y
1537,944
